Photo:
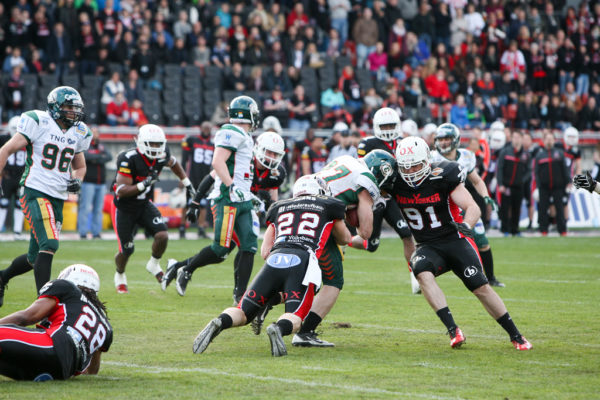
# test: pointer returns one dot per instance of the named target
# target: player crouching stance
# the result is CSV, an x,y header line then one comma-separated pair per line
x,y
138,171
430,195
79,330
298,229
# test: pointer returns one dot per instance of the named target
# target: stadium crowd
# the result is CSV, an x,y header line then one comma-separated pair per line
x,y
534,65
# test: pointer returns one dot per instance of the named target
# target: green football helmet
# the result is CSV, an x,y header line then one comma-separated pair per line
x,y
383,165
244,110
65,96
447,131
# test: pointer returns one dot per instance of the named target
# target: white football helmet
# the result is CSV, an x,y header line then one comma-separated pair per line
x,y
340,127
81,275
310,185
571,136
497,126
148,136
410,153
271,142
271,124
429,129
410,128
497,139
386,116
13,124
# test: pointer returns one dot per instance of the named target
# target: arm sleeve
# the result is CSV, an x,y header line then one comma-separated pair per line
x,y
124,166
204,187
58,289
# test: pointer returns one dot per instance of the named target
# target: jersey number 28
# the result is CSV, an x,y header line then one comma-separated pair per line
x,y
86,325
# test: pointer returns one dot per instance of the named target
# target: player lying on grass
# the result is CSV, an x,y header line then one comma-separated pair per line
x,y
298,229
71,345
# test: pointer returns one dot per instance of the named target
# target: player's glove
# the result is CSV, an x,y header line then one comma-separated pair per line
x,y
74,185
149,181
491,202
192,212
463,228
191,192
236,195
258,204
584,182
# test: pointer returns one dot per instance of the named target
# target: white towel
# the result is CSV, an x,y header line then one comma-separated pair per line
x,y
313,272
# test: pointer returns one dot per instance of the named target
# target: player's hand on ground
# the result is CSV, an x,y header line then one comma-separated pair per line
x,y
463,228
236,195
584,181
488,200
73,186
192,212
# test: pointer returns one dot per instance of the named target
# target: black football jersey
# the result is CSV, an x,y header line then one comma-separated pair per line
x,y
268,179
572,154
304,222
197,154
15,163
371,143
74,311
428,208
132,164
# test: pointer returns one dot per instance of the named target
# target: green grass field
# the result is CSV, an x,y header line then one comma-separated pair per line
x,y
395,348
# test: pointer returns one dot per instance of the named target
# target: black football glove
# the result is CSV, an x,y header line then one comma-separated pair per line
x,y
74,185
192,212
464,229
585,182
191,192
151,179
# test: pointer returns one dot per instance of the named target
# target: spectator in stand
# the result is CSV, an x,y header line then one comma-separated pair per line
x,y
351,89
15,59
537,71
277,106
512,172
179,54
333,97
589,117
182,27
337,114
14,88
475,22
527,113
332,44
133,87
553,182
372,99
117,111
314,156
312,57
91,196
293,74
409,8
345,146
583,67
201,53
276,18
423,25
59,53
138,116
220,53
486,86
108,23
278,78
459,27
125,48
143,61
544,111
437,87
566,64
414,96
111,87
517,23
161,49
276,54
365,34
550,21
87,49
256,81
443,19
296,54
396,63
301,109
41,26
512,60
459,113
339,10
256,52
235,80
297,17
377,62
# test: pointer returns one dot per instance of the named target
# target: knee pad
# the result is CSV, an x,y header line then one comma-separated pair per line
x,y
420,263
372,244
128,248
51,245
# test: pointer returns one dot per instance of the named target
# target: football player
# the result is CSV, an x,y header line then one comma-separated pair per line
x,y
431,196
447,140
197,154
351,181
55,140
573,159
269,174
387,130
231,199
15,165
72,344
138,170
298,229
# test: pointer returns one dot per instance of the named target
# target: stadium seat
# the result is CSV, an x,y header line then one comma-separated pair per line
x,y
363,77
48,80
172,70
71,80
191,71
91,81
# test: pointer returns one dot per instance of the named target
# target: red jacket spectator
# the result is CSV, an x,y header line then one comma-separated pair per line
x,y
437,86
297,16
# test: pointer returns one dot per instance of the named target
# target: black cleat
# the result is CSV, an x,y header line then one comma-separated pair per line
x,y
202,233
169,275
259,320
183,278
496,283
310,339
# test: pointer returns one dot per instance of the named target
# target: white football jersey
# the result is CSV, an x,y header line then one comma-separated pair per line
x,y
465,158
234,138
50,151
346,177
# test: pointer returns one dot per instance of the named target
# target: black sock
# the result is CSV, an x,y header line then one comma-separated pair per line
x,y
285,326
509,326
244,267
488,263
42,269
446,317
226,321
310,323
206,257
19,266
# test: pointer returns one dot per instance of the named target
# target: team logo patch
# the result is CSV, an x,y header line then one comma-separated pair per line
x,y
80,129
128,245
157,220
470,271
70,141
416,259
437,171
283,260
125,170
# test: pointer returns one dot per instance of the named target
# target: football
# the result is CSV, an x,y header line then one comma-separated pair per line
x,y
352,217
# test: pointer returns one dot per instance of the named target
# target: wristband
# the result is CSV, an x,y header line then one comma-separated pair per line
x,y
186,182
141,187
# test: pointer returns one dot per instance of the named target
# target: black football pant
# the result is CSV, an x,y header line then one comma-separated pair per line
x,y
555,197
510,209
